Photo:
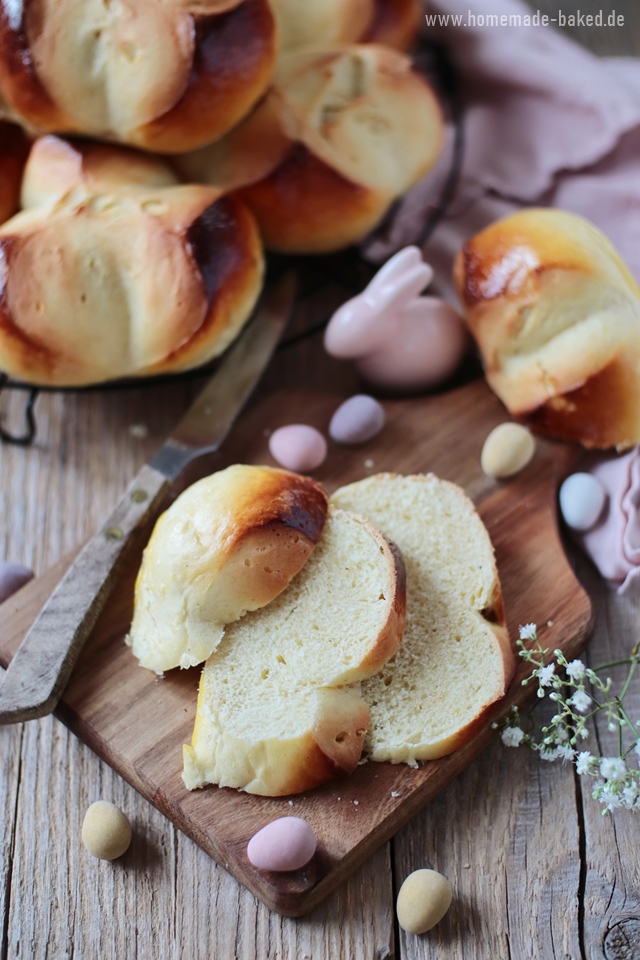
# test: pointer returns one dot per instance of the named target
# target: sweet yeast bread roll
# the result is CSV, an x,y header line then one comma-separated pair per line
x,y
14,148
278,709
114,269
556,315
230,543
341,134
164,75
323,23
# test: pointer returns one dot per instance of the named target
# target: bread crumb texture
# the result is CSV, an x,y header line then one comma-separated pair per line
x,y
455,659
273,716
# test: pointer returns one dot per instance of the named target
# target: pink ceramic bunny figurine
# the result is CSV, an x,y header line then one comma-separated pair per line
x,y
399,339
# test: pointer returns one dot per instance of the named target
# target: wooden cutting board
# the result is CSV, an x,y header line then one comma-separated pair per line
x,y
137,722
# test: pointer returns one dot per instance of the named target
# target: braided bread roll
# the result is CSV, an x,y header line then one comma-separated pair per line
x,y
164,75
341,134
115,270
556,315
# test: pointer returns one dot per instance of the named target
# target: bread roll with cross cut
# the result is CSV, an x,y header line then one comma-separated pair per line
x,y
114,269
164,75
340,135
556,315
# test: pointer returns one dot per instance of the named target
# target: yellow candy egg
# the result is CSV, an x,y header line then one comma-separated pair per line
x,y
423,900
106,832
507,450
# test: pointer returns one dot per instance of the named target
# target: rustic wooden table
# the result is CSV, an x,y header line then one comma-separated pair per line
x,y
537,871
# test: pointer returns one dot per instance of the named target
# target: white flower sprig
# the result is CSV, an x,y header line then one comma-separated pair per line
x,y
579,693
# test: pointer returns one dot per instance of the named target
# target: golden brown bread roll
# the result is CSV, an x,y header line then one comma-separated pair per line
x,y
341,135
14,148
106,278
166,76
230,543
556,315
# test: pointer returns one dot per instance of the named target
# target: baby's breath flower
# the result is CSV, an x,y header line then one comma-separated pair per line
x,y
512,736
528,632
584,762
548,754
576,669
580,700
565,751
613,768
637,747
545,675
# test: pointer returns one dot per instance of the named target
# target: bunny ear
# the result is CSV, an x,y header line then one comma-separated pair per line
x,y
397,265
404,287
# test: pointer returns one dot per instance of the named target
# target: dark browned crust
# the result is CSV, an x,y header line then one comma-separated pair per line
x,y
14,149
19,83
600,413
233,62
305,206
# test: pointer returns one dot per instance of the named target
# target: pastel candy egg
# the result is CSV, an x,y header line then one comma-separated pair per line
x,y
582,499
507,450
106,832
298,447
357,420
12,577
426,349
284,844
423,900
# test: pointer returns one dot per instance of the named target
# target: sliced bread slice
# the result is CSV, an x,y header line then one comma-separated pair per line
x,y
273,716
456,658
230,543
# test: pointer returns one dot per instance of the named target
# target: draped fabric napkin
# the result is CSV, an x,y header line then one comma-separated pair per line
x,y
545,123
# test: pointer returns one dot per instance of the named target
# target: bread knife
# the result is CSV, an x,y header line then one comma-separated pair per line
x,y
42,665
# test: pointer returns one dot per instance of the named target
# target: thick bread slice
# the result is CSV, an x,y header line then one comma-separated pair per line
x,y
455,659
270,719
230,543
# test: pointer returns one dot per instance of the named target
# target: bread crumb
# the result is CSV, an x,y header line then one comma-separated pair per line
x,y
467,866
549,623
290,803
356,802
395,793
139,431
369,464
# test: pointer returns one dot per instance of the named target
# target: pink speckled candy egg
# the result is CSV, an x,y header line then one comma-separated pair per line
x,y
284,844
298,447
357,420
425,351
12,577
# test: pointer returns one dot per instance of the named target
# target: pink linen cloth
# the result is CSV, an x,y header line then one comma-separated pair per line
x,y
545,123
614,543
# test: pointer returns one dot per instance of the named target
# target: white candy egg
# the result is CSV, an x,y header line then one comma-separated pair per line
x,y
423,899
582,499
357,420
426,349
298,447
284,844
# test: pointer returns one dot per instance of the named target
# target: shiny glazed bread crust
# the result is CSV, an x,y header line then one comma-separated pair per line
x,y
104,278
164,75
556,315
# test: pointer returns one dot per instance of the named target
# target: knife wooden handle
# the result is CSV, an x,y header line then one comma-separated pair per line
x,y
42,665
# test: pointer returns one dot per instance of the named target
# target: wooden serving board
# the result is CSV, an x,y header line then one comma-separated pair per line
x,y
138,722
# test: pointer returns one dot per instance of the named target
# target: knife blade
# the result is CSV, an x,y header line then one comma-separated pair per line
x,y
42,665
